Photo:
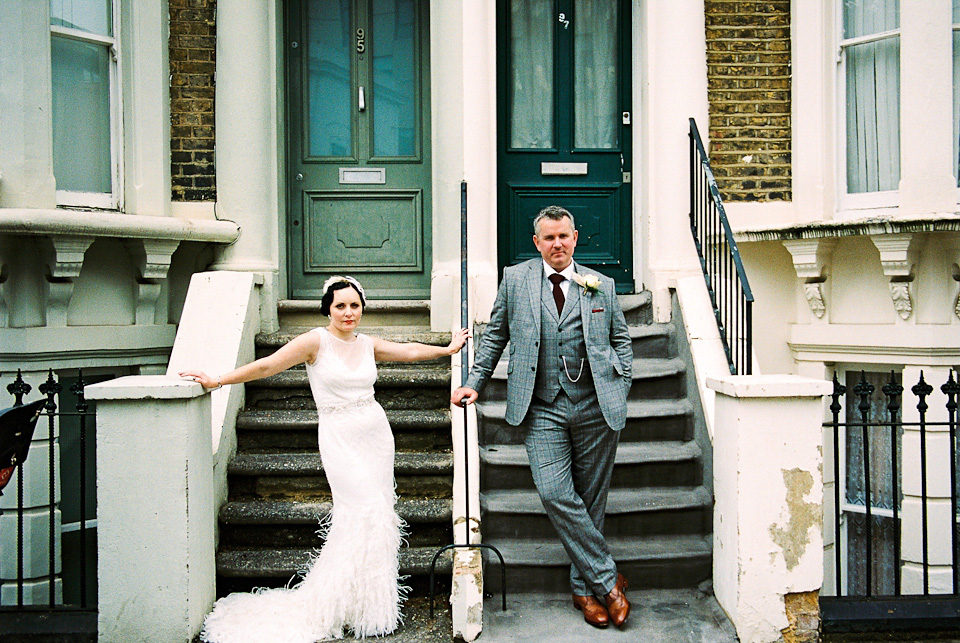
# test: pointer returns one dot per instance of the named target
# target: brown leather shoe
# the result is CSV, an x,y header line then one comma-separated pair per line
x,y
594,612
618,607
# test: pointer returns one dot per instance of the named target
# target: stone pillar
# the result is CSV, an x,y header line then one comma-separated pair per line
x,y
248,165
768,485
155,510
26,127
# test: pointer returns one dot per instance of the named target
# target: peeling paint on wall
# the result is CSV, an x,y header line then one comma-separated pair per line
x,y
794,537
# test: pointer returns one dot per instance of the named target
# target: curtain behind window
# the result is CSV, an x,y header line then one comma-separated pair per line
x,y
531,105
873,96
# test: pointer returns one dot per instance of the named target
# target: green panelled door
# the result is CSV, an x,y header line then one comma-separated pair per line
x,y
564,127
358,146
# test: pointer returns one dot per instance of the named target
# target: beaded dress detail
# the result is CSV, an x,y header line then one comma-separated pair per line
x,y
352,585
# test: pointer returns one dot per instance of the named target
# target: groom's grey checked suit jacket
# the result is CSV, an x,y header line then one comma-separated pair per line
x,y
517,318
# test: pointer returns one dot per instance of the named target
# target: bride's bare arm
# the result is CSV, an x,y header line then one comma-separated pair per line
x,y
384,350
302,348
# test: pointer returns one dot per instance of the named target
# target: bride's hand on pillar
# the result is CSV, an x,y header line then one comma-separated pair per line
x,y
458,340
201,378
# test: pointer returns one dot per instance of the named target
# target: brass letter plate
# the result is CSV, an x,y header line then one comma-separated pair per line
x,y
576,169
363,175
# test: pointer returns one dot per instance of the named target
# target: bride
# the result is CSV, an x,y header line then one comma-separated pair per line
x,y
352,585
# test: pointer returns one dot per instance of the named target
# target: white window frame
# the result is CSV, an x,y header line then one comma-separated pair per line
x,y
114,199
883,201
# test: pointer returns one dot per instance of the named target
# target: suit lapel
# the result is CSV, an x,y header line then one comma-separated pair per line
x,y
585,303
534,286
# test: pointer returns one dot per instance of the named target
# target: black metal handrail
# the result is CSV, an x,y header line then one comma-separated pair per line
x,y
720,260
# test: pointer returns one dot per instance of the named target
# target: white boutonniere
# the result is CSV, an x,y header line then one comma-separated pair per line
x,y
589,283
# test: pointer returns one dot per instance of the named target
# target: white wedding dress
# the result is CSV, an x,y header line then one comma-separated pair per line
x,y
352,585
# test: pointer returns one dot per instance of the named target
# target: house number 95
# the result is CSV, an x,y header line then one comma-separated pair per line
x,y
360,41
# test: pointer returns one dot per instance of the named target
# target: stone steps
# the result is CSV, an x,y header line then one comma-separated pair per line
x,y
659,509
278,493
647,562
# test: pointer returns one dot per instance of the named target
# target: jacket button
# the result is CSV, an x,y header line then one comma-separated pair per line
x,y
533,368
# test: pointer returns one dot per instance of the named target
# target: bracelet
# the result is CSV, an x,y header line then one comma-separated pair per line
x,y
219,385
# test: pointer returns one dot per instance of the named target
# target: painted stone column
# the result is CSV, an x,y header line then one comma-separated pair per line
x,y
768,485
155,511
26,129
248,165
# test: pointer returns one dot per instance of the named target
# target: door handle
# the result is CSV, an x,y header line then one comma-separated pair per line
x,y
361,102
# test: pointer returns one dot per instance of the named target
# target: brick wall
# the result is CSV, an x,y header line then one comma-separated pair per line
x,y
748,88
192,67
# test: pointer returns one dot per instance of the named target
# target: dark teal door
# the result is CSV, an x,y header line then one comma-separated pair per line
x,y
564,127
358,145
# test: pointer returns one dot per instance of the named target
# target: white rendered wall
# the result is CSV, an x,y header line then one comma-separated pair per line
x,y
672,38
248,162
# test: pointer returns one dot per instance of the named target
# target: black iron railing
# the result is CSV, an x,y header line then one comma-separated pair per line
x,y
720,261
73,489
867,523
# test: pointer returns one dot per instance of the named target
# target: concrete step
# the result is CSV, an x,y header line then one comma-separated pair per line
x,y
305,313
652,341
263,430
653,378
275,567
649,562
646,420
300,475
638,464
519,513
282,523
268,343
397,387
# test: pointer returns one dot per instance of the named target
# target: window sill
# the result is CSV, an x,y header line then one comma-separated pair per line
x,y
939,222
98,223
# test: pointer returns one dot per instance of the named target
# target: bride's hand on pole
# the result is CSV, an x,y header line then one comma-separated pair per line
x,y
458,340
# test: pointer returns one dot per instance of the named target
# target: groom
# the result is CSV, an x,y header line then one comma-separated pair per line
x,y
569,373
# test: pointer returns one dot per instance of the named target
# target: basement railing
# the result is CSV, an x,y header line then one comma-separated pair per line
x,y
720,261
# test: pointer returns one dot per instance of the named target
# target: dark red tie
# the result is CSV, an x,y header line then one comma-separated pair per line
x,y
556,278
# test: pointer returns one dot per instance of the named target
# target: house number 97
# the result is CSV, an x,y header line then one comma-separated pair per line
x,y
361,46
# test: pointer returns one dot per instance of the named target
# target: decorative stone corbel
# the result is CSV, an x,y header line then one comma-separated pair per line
x,y
152,258
67,262
810,259
898,256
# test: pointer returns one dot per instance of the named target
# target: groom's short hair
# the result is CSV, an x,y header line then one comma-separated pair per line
x,y
554,212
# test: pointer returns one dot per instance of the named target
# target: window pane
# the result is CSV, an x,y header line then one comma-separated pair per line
x,y
329,98
873,96
92,16
394,92
865,17
81,115
531,68
596,122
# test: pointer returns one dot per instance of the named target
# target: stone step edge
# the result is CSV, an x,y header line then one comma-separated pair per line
x,y
666,451
619,501
542,553
300,464
307,420
390,377
286,512
278,563
421,334
636,409
379,305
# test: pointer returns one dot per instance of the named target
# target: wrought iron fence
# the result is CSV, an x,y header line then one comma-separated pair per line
x,y
720,260
71,549
883,470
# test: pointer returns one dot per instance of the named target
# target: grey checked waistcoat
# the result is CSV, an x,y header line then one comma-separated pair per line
x,y
562,337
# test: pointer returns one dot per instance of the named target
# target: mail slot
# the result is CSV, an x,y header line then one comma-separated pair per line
x,y
363,175
578,169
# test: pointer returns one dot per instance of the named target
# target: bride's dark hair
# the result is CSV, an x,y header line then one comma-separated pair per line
x,y
327,298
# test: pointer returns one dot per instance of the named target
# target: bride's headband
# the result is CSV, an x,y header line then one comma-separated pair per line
x,y
339,278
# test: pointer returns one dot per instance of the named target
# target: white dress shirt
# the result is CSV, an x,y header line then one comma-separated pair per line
x,y
567,276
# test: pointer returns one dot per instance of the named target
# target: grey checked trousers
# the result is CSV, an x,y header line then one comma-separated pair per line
x,y
572,452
